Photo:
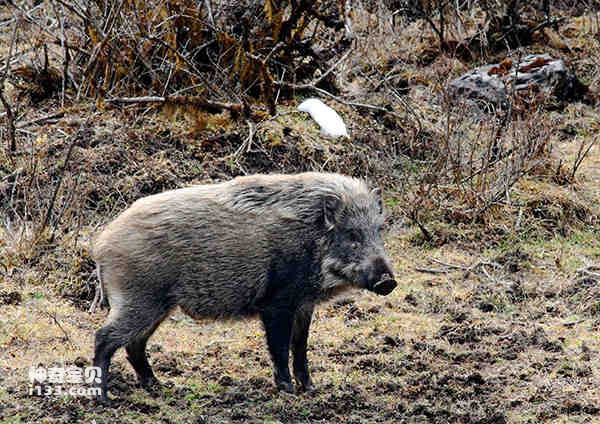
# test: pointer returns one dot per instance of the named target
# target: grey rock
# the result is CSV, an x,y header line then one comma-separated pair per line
x,y
491,85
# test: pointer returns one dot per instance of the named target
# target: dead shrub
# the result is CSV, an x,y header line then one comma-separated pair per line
x,y
469,177
223,49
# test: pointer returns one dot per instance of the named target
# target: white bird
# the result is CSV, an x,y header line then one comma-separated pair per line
x,y
328,119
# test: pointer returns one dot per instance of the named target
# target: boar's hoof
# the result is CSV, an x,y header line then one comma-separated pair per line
x,y
285,386
150,383
306,387
303,381
385,286
103,400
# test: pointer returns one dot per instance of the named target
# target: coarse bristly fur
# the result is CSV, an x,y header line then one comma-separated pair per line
x,y
272,245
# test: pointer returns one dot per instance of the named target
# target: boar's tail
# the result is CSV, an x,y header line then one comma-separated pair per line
x,y
99,298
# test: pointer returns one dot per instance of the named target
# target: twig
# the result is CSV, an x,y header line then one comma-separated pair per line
x,y
432,270
347,19
197,73
12,142
547,23
75,10
53,317
588,271
63,170
66,203
487,274
451,266
12,174
355,104
245,147
209,12
10,116
213,106
99,293
55,39
582,154
274,50
57,188
219,137
410,109
415,218
315,82
66,58
479,264
41,119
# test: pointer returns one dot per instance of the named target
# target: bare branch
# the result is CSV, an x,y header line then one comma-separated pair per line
x,y
10,116
316,81
209,105
74,140
582,154
41,119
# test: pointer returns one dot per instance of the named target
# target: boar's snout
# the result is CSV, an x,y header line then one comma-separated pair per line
x,y
380,277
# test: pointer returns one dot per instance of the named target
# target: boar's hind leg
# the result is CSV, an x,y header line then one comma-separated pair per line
x,y
278,328
136,355
129,324
299,345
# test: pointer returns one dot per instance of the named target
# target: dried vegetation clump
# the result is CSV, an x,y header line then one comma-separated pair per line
x,y
225,50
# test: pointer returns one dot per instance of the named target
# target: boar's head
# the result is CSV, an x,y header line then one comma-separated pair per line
x,y
354,252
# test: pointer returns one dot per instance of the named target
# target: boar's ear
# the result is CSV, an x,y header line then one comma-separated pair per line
x,y
331,204
376,192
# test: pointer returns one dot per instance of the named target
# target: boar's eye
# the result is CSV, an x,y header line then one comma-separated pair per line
x,y
354,237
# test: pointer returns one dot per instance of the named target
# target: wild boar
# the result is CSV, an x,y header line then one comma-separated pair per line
x,y
266,245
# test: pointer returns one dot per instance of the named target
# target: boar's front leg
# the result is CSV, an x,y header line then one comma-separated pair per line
x,y
278,322
299,345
